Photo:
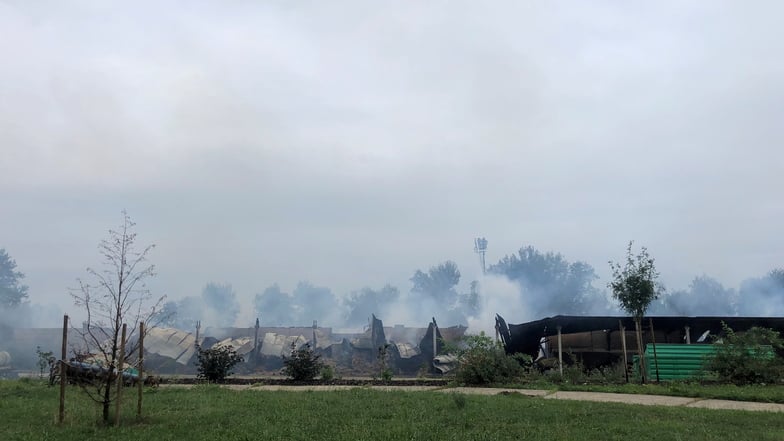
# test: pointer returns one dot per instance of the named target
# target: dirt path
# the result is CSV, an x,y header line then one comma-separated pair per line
x,y
647,400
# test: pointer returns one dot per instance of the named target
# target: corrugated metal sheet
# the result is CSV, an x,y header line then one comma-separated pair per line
x,y
172,343
677,361
277,345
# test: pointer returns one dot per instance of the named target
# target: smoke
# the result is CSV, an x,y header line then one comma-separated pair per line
x,y
31,315
499,295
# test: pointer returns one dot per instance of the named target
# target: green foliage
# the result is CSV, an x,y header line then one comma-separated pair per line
x,y
483,361
327,373
748,358
12,291
384,371
43,360
303,364
215,364
634,285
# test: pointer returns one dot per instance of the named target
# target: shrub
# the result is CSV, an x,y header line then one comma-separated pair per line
x,y
303,364
748,358
327,373
215,364
483,361
384,371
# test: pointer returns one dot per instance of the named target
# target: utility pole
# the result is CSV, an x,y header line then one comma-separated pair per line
x,y
480,247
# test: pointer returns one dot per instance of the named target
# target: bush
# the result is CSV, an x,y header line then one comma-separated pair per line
x,y
752,357
303,365
215,364
327,373
384,371
483,361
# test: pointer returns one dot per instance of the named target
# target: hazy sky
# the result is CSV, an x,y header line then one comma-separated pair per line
x,y
350,143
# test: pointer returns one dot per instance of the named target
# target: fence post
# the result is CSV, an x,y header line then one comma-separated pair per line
x,y
63,369
140,379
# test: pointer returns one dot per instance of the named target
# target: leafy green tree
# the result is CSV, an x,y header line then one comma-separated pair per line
x,y
12,291
303,364
216,363
634,286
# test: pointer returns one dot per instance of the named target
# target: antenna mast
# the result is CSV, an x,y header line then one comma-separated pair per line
x,y
480,247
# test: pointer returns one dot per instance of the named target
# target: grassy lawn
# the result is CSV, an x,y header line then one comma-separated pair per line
x,y
27,412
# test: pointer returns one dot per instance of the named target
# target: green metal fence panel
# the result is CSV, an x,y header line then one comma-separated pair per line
x,y
677,361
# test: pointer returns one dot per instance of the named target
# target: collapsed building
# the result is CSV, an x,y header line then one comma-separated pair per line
x,y
598,340
408,350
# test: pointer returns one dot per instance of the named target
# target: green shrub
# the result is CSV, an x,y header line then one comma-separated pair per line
x,y
327,373
483,361
384,371
752,357
215,364
303,364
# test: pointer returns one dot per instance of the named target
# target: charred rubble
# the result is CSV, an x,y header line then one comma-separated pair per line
x,y
169,351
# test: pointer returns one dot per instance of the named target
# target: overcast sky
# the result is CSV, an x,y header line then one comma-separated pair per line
x,y
350,143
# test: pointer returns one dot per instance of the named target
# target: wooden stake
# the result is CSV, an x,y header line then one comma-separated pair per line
x,y
140,380
655,358
63,369
119,377
625,355
640,350
560,352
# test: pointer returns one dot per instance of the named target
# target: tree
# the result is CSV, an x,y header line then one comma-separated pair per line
x,y
220,302
436,293
438,283
552,285
116,295
216,363
635,286
315,303
763,296
303,364
705,296
12,291
274,306
470,303
361,304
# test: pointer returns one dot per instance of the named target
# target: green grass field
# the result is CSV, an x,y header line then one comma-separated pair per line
x,y
28,412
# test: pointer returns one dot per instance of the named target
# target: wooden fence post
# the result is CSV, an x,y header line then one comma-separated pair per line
x,y
625,355
63,369
140,379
